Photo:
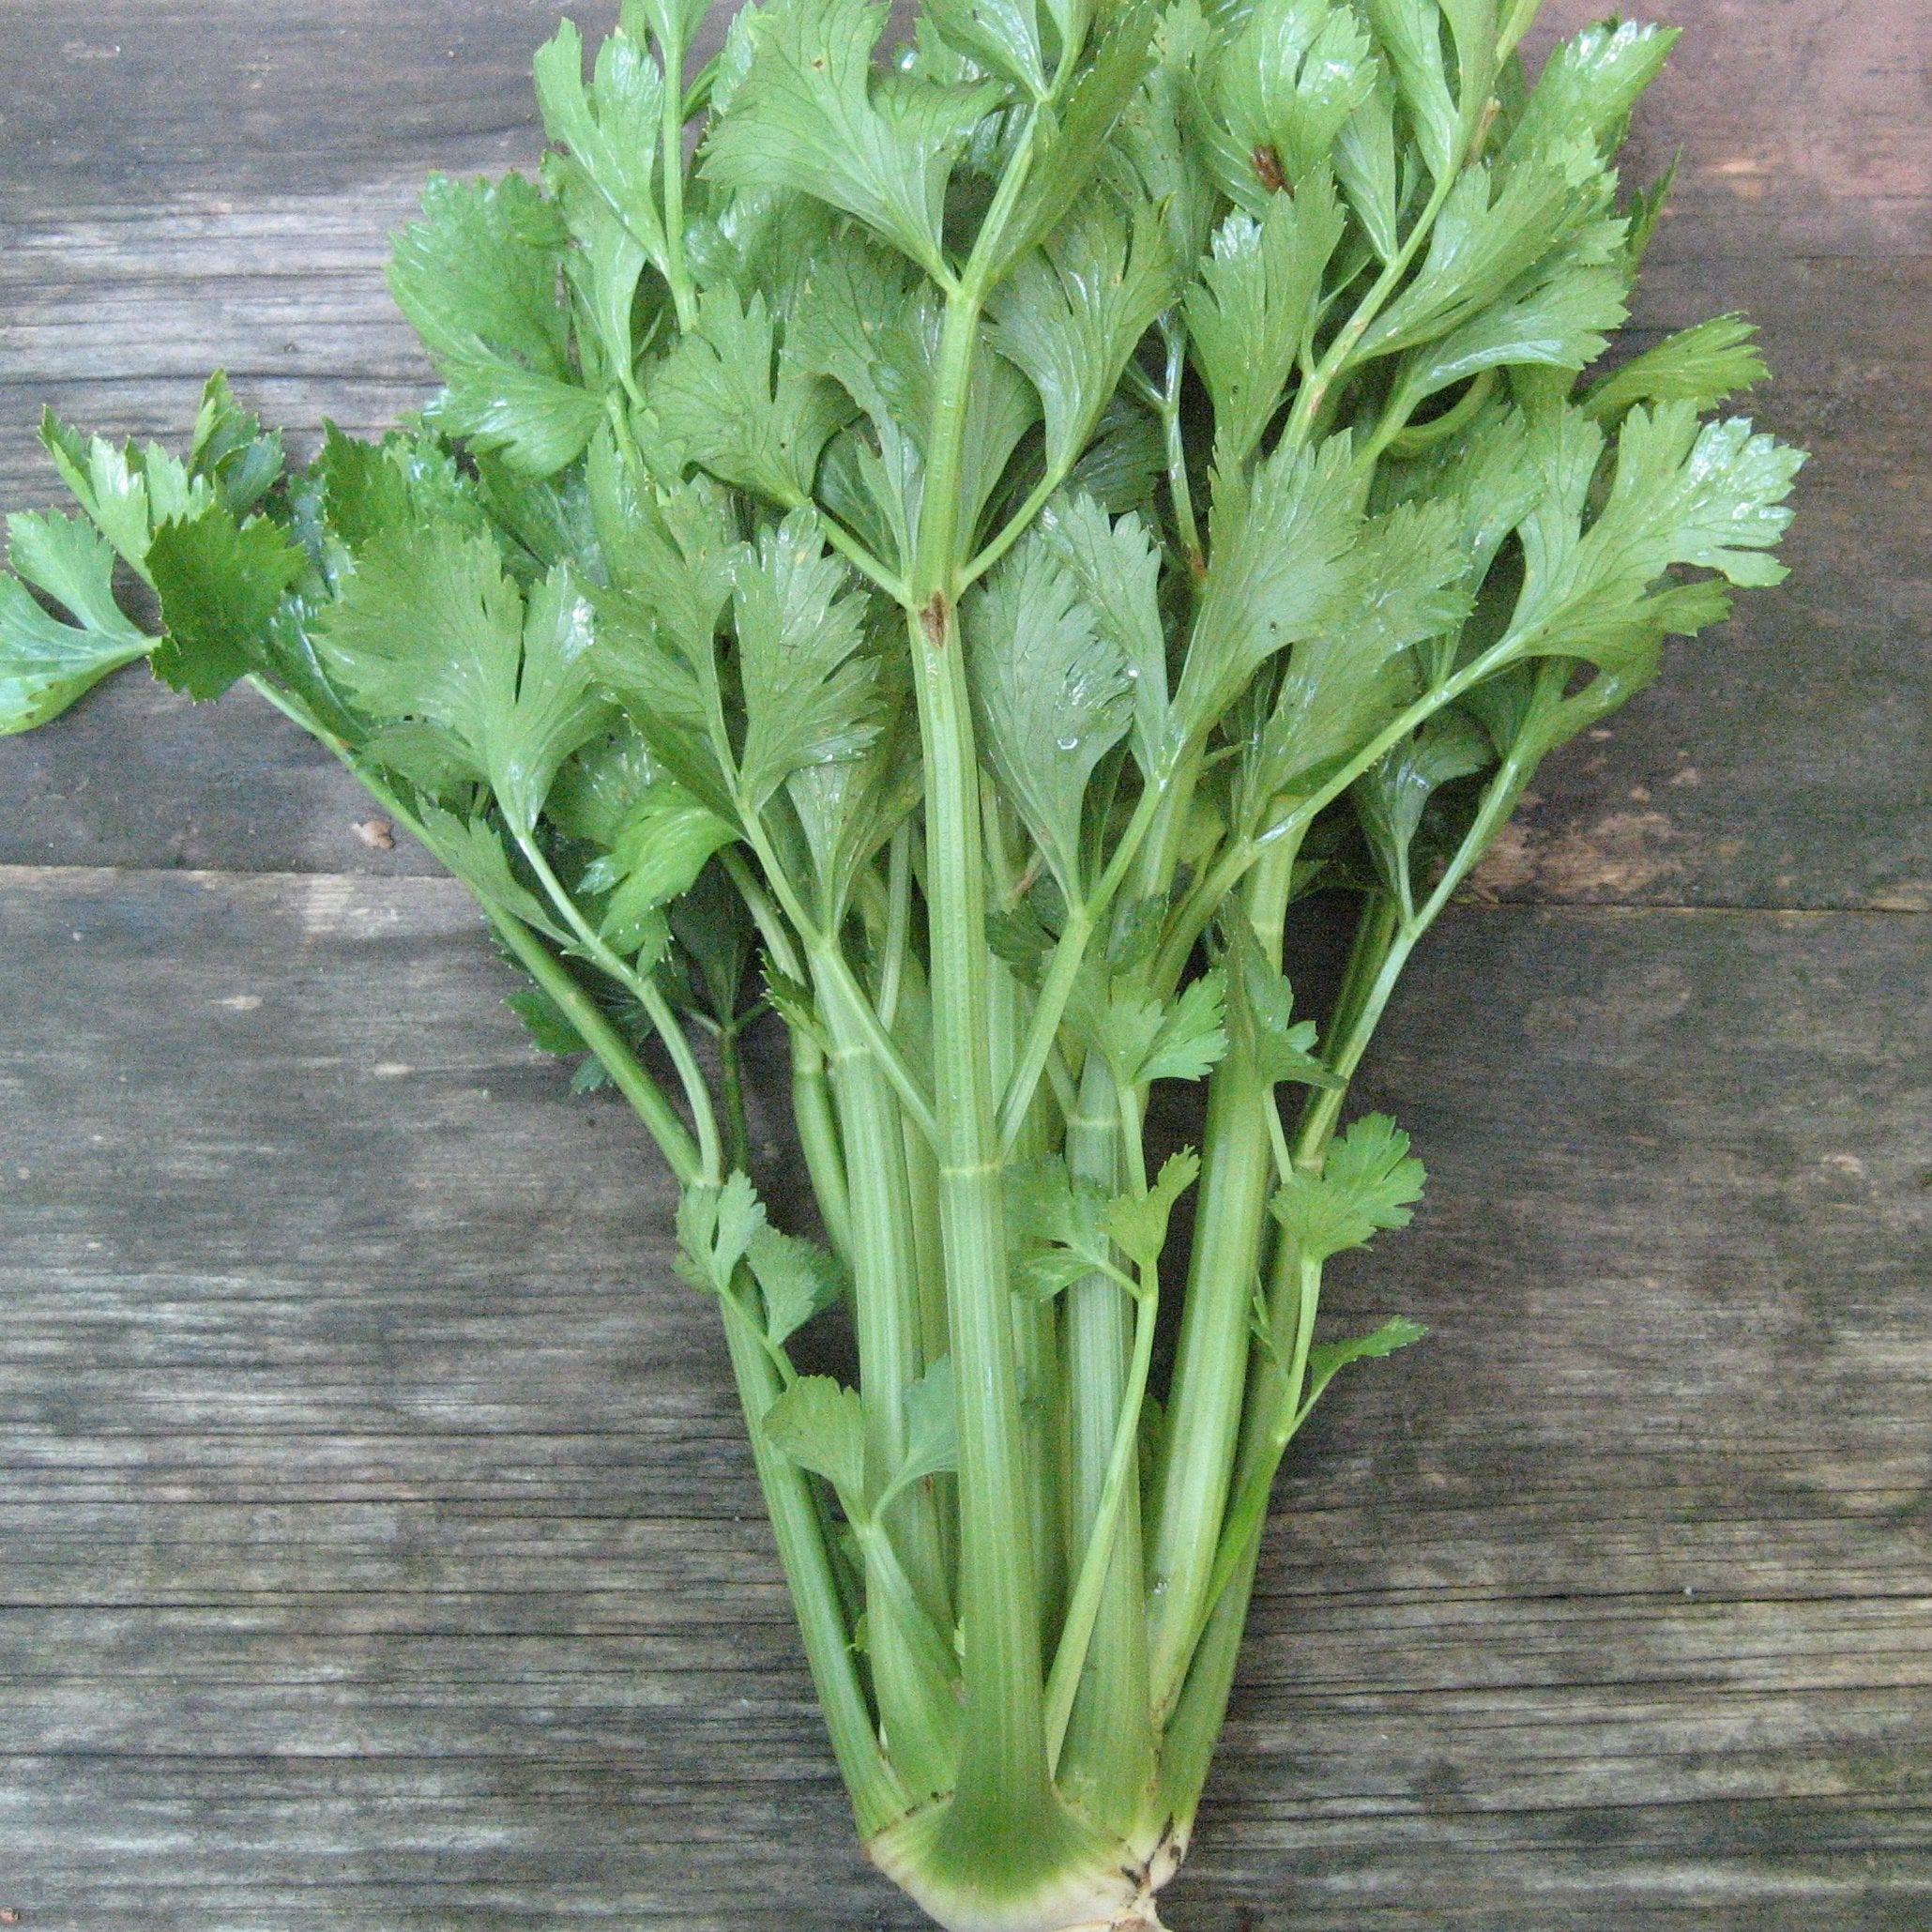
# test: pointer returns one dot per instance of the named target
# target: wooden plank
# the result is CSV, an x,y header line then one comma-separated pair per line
x,y
1762,769
1779,762
1799,140
277,275
377,1543
142,101
1645,1647
1809,139
184,187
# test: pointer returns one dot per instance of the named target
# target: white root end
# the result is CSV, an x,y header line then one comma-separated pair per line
x,y
1141,1915
1113,1892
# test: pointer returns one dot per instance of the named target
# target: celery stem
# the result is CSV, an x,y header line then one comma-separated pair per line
x,y
1099,1728
1211,1366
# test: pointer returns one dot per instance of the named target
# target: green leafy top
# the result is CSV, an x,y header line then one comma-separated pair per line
x,y
954,548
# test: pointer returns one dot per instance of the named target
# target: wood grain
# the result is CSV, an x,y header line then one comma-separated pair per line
x,y
140,102
378,1545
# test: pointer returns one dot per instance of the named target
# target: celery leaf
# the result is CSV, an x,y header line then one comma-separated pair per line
x,y
932,1425
611,128
655,853
1283,1047
716,1228
1138,1223
1071,313
428,626
1284,86
798,1279
46,665
1052,695
477,280
1142,1040
1117,570
1701,366
810,115
1368,1181
1391,795
472,848
820,1425
1326,1360
723,399
808,685
1284,544
1254,308
221,585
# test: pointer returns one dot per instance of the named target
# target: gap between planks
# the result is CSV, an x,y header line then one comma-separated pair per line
x,y
350,883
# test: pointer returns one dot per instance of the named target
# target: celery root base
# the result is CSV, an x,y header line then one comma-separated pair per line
x,y
1110,1887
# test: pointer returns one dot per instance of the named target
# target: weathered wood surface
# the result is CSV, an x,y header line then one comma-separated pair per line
x,y
379,1545
377,1542
187,185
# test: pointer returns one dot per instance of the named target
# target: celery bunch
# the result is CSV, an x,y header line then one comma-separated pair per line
x,y
959,560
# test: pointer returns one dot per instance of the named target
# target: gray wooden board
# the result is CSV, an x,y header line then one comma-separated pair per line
x,y
1781,761
141,101
378,1545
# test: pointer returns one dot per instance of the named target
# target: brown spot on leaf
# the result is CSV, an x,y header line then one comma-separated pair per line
x,y
1268,168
